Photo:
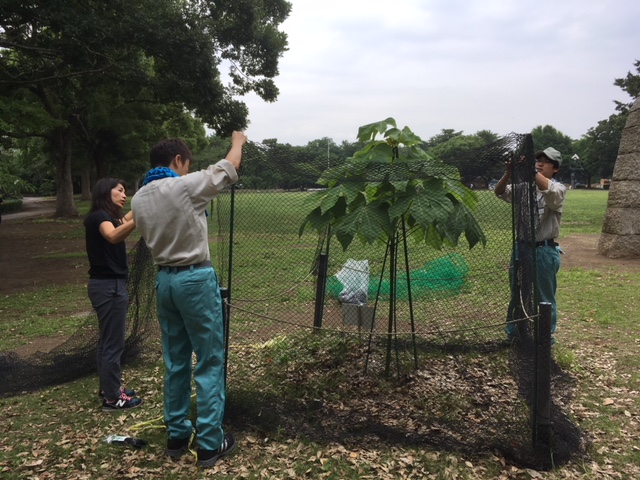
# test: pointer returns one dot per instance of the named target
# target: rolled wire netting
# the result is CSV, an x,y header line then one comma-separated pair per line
x,y
76,356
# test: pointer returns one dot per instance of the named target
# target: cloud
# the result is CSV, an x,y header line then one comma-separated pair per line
x,y
502,65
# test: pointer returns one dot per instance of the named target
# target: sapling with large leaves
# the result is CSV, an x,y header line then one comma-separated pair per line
x,y
388,188
391,180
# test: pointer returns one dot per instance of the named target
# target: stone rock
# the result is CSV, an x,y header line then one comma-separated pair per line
x,y
622,221
619,246
620,236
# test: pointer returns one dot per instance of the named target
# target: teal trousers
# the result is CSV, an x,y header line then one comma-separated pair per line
x,y
191,320
547,267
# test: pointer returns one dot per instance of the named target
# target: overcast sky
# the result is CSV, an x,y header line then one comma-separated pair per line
x,y
502,65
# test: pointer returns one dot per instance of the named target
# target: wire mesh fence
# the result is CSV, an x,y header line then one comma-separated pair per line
x,y
459,295
399,342
403,306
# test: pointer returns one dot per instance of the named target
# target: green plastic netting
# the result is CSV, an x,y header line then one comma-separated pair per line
x,y
440,277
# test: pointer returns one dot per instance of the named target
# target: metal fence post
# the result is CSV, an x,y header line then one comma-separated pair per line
x,y
323,265
542,441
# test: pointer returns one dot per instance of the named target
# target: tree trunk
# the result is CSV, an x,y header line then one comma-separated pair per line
x,y
99,160
85,181
621,229
65,206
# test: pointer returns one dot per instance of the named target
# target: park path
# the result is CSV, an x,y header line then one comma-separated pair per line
x,y
33,207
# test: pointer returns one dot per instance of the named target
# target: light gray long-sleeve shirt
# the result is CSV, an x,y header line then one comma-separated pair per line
x,y
170,214
549,205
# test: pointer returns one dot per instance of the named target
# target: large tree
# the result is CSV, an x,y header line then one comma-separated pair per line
x,y
444,136
630,84
548,136
598,148
58,54
462,151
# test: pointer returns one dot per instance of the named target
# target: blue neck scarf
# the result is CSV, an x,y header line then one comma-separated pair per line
x,y
158,173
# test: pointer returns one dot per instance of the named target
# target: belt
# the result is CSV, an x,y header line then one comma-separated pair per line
x,y
182,268
542,243
547,243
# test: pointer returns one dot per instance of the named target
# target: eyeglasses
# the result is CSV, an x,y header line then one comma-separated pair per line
x,y
543,160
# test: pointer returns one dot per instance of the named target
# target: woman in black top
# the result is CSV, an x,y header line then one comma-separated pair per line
x,y
106,228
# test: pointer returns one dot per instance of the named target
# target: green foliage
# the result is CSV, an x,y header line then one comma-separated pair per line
x,y
11,185
598,148
444,136
416,188
630,84
548,136
10,205
95,79
487,136
458,152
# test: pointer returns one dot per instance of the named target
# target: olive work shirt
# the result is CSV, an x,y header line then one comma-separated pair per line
x,y
549,205
170,214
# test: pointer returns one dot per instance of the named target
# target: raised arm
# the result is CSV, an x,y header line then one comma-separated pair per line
x,y
238,139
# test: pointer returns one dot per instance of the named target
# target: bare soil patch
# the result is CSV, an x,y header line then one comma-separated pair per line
x,y
581,251
32,255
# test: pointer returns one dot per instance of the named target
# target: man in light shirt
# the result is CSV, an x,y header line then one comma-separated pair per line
x,y
169,210
550,196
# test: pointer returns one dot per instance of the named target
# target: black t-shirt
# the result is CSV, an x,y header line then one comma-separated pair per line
x,y
106,260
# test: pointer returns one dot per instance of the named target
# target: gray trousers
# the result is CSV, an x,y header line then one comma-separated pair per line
x,y
110,299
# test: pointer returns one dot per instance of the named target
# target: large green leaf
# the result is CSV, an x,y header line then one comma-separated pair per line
x,y
432,237
462,193
369,132
314,199
351,191
345,239
330,199
400,186
380,153
316,220
431,205
367,221
400,207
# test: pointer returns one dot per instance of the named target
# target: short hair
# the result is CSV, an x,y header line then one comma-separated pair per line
x,y
101,198
163,152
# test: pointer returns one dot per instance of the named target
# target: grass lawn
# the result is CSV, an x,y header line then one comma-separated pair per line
x,y
58,432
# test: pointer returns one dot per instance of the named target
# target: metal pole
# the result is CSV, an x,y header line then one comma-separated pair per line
x,y
409,295
226,293
542,430
393,258
321,284
375,305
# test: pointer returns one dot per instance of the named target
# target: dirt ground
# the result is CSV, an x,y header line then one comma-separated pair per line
x,y
32,253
